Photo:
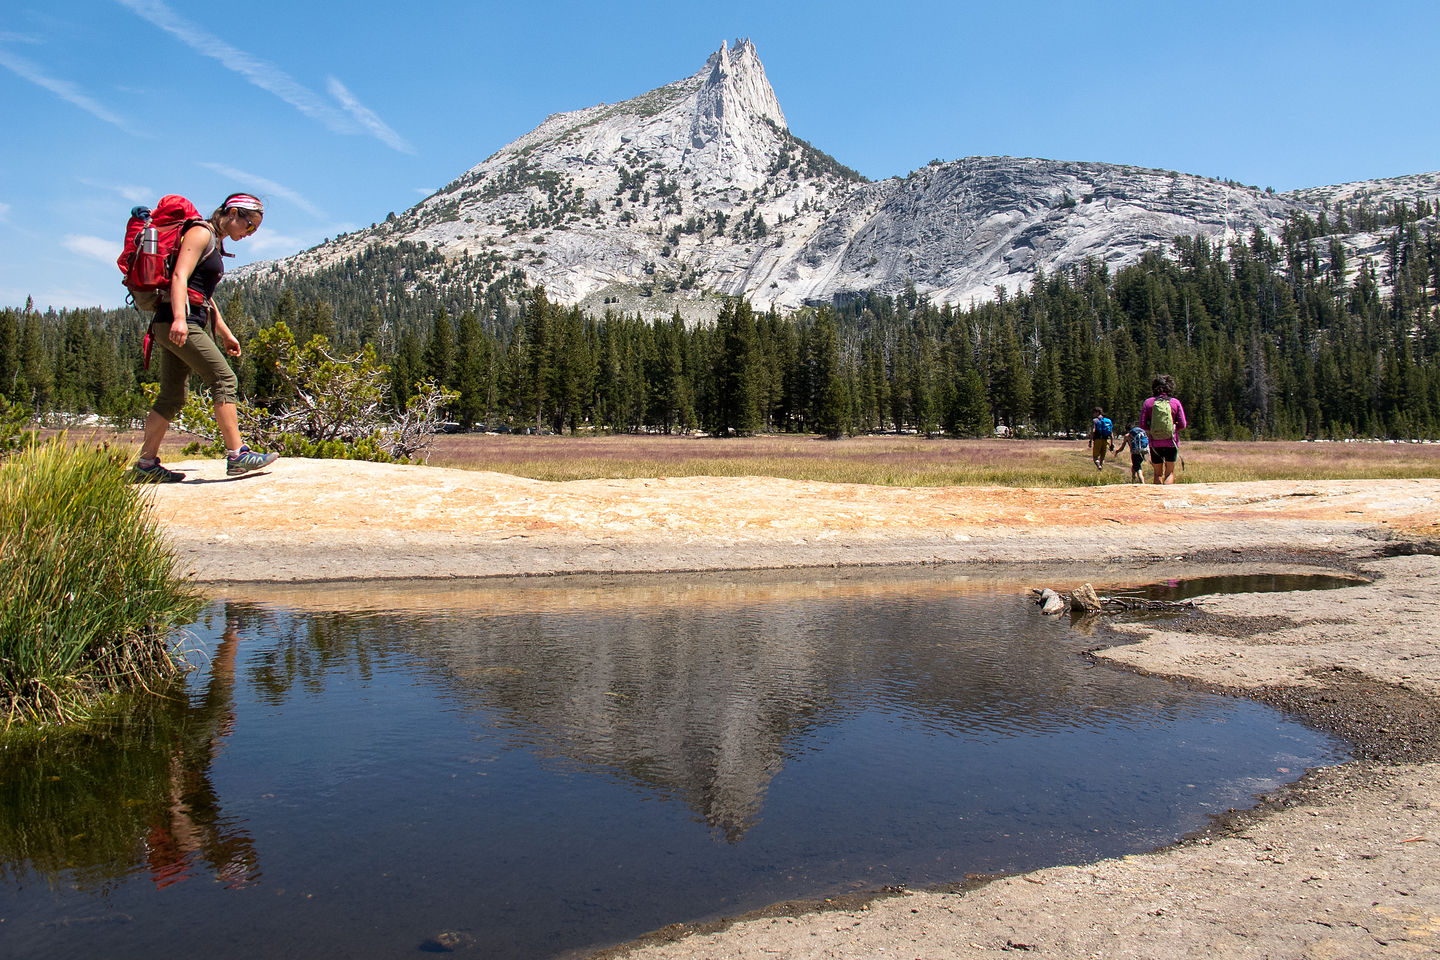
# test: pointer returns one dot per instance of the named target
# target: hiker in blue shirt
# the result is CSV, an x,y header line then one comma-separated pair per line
x,y
1101,430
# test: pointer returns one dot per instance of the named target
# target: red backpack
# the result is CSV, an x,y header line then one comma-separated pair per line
x,y
152,241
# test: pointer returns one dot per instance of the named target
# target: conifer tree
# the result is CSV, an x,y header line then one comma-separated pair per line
x,y
406,369
72,364
1009,381
440,351
832,392
9,353
734,404
672,403
474,378
572,371
972,407
1047,394
34,386
534,347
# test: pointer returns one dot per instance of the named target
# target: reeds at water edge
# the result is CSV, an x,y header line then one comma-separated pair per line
x,y
90,596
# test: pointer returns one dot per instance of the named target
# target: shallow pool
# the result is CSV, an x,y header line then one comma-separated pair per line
x,y
519,771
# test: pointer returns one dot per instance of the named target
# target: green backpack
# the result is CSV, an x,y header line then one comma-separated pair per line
x,y
1162,420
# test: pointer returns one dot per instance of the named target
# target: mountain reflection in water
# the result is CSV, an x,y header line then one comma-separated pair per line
x,y
537,768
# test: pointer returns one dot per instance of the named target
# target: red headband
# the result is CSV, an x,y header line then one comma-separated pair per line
x,y
245,202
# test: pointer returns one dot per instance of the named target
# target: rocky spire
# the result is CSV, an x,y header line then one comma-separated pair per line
x,y
734,96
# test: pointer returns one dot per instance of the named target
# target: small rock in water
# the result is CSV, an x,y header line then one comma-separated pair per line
x,y
1053,603
448,941
1086,598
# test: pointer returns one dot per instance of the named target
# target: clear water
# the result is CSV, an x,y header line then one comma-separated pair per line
x,y
1177,590
520,771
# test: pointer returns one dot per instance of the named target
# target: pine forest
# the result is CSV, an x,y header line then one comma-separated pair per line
x,y
1266,338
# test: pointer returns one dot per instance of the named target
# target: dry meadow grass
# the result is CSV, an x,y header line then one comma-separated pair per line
x,y
916,461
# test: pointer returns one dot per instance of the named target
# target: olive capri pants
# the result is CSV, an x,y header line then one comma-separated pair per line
x,y
200,355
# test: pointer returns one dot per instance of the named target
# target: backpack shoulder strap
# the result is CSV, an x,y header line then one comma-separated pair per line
x,y
209,246
215,236
214,239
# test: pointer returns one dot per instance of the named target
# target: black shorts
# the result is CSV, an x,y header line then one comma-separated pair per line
x,y
1163,454
1136,462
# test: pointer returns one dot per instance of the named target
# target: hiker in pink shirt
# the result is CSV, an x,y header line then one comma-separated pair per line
x,y
1163,417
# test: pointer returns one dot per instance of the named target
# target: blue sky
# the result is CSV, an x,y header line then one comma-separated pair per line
x,y
338,114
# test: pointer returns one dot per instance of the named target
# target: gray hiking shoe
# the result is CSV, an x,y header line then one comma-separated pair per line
x,y
155,473
247,460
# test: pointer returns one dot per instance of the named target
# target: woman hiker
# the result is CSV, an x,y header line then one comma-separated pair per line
x,y
193,335
1163,417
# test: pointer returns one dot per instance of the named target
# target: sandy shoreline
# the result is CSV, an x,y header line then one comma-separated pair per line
x,y
1344,864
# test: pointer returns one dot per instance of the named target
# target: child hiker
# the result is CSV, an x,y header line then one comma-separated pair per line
x,y
1139,443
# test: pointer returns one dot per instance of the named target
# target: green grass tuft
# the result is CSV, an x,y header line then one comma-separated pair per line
x,y
90,598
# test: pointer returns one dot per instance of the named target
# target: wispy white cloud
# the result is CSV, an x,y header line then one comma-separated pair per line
x,y
264,75
354,118
129,192
96,248
367,118
63,89
265,187
21,226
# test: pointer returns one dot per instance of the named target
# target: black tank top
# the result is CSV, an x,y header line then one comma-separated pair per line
x,y
208,271
203,280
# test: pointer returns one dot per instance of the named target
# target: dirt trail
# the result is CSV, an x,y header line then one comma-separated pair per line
x,y
1345,864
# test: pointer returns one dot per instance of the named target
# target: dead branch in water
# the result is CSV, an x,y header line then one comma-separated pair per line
x,y
1111,604
1085,598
